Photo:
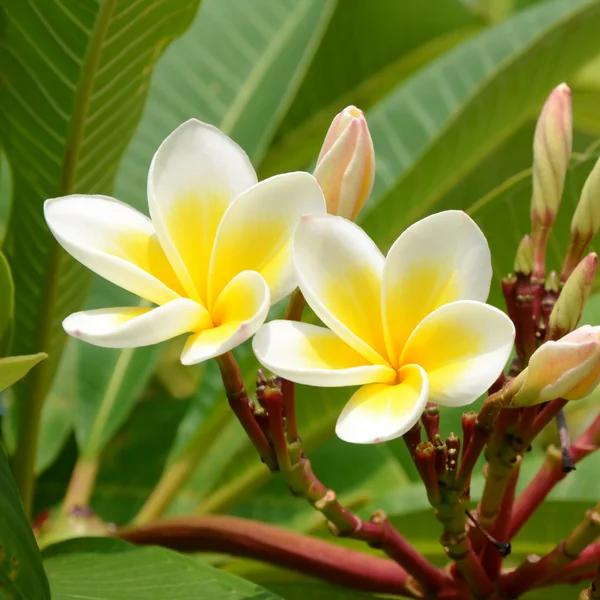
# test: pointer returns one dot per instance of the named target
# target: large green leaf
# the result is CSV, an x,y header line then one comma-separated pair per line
x,y
108,569
443,121
74,80
238,68
396,39
22,576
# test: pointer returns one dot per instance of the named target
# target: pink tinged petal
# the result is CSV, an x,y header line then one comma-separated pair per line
x,y
378,412
339,271
568,368
314,355
238,314
133,327
346,165
195,175
256,232
440,259
463,347
115,241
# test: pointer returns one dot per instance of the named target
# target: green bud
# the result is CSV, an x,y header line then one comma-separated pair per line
x,y
586,221
552,147
575,293
552,283
524,257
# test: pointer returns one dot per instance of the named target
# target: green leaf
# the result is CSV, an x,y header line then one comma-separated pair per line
x,y
13,368
238,67
347,70
442,122
22,576
293,586
108,569
75,77
109,381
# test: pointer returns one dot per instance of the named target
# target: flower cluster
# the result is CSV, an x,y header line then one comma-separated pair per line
x,y
409,328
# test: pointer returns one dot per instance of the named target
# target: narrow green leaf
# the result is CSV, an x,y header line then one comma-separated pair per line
x,y
22,576
108,569
442,122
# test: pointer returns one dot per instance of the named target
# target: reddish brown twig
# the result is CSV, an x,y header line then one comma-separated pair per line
x,y
259,541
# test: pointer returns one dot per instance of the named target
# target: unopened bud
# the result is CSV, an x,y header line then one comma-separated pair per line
x,y
346,165
586,221
524,257
568,368
575,293
552,283
552,146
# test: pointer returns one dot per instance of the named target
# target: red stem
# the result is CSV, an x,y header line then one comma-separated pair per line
x,y
545,416
550,474
581,566
240,404
241,537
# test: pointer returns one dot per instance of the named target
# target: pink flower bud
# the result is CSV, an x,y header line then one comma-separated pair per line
x,y
552,147
346,164
568,368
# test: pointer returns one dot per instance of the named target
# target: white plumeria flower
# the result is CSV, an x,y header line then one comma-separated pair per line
x,y
213,258
409,328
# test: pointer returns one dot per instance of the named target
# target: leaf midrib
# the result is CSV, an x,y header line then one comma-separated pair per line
x,y
72,150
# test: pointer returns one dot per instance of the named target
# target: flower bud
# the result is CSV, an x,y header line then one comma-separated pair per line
x,y
568,368
568,308
524,257
586,221
346,165
552,146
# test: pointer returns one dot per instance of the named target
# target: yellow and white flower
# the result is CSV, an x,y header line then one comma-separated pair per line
x,y
214,256
409,328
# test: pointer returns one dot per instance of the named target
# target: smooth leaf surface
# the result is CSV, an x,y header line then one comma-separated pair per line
x,y
238,67
22,576
345,72
13,368
107,569
436,127
74,77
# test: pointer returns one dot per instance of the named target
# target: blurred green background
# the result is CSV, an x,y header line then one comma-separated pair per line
x,y
88,90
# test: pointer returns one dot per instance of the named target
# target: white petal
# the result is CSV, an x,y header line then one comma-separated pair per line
x,y
378,412
314,355
133,327
440,259
339,271
238,314
463,347
115,241
195,175
256,232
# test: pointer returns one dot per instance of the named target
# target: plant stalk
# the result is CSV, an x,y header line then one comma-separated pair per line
x,y
260,541
81,484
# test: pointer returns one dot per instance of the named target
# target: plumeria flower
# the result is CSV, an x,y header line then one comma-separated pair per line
x,y
409,328
214,256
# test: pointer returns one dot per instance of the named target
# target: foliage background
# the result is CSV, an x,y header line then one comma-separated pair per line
x,y
451,90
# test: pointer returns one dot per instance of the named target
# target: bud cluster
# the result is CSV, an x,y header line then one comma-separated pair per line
x,y
544,306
